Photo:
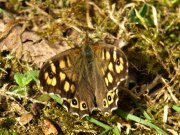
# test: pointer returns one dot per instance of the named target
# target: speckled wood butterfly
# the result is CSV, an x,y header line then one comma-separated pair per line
x,y
87,77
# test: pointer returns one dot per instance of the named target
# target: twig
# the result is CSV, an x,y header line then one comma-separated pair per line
x,y
25,97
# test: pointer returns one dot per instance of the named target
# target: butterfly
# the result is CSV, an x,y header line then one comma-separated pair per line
x,y
86,77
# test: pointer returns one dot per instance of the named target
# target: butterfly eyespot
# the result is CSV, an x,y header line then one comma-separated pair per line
x,y
109,98
84,105
51,75
118,61
105,104
74,102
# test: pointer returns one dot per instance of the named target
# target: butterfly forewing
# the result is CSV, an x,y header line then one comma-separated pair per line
x,y
111,70
112,63
58,74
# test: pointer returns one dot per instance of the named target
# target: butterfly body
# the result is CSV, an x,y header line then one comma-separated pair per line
x,y
86,78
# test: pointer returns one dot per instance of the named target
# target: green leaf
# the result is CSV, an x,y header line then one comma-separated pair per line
x,y
56,98
146,115
129,116
176,108
24,79
44,97
3,131
144,10
19,78
14,133
106,127
33,75
19,90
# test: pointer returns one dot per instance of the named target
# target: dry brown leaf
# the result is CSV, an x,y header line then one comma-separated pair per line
x,y
25,118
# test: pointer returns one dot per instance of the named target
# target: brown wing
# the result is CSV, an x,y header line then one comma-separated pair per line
x,y
58,75
112,69
64,74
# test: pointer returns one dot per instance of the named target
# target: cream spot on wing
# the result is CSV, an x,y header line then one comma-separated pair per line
x,y
62,76
114,54
110,66
68,61
106,81
107,55
102,70
46,75
54,81
72,88
102,54
66,86
62,64
110,78
53,68
48,80
73,77
121,61
119,68
122,79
